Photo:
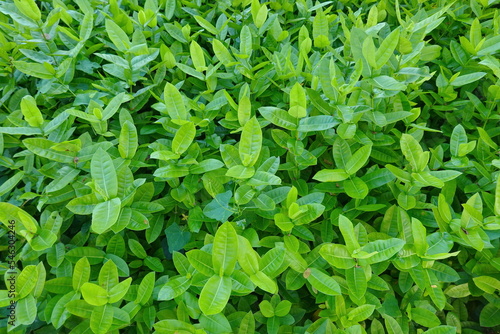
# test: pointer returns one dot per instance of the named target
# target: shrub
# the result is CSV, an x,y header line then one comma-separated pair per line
x,y
237,167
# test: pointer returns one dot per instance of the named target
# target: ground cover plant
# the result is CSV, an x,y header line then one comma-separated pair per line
x,y
241,166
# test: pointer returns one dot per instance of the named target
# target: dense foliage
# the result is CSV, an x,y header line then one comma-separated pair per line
x,y
290,166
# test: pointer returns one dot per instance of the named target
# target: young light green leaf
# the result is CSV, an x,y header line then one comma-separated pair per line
x,y
244,110
183,138
322,282
316,123
225,249
411,150
338,256
26,310
298,103
94,294
356,188
105,215
356,282
331,175
174,288
101,319
128,141
197,56
81,273
175,104
250,143
31,113
117,292
222,53
25,282
104,173
382,250
215,294
117,36
358,159
279,117
29,8
361,313
487,283
386,49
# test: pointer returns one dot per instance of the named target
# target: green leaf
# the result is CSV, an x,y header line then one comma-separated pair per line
x,y
419,236
145,289
338,256
137,249
458,137
487,283
104,174
31,113
356,188
489,316
411,150
279,117
388,83
386,49
322,282
331,175
172,326
264,282
250,143
35,70
173,288
442,330
424,317
358,159
316,123
467,79
201,261
80,308
273,262
206,166
216,323
266,309
11,213
205,24
117,36
360,313
219,208
225,250
93,255
101,319
392,325
29,8
382,249
215,295
497,196
25,282
298,102
117,292
356,282
108,275
347,230
222,53
197,56
175,104
26,310
240,172
105,215
81,273
94,294
247,324
183,138
128,141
